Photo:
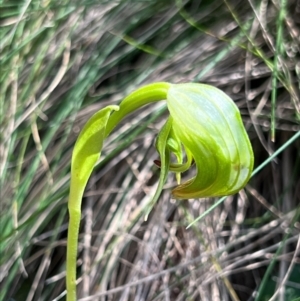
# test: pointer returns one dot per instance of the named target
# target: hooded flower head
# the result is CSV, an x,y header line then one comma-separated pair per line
x,y
204,127
207,124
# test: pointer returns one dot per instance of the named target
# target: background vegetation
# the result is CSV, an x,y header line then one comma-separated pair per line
x,y
61,61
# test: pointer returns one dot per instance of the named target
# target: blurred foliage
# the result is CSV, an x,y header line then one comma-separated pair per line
x,y
61,61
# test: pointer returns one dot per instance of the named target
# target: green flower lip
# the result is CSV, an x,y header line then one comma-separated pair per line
x,y
209,125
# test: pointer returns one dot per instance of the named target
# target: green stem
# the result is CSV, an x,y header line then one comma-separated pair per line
x,y
74,207
142,96
81,170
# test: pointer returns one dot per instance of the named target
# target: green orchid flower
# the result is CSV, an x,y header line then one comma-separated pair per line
x,y
209,126
204,128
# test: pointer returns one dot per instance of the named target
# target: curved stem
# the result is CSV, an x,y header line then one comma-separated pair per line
x,y
140,97
84,157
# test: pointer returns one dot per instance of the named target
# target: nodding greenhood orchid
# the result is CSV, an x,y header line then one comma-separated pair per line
x,y
204,128
209,126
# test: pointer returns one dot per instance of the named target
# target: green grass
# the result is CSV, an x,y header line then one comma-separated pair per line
x,y
63,61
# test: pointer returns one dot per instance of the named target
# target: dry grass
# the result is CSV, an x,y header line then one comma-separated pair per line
x,y
61,62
